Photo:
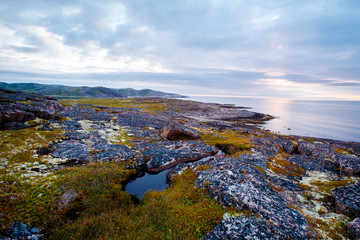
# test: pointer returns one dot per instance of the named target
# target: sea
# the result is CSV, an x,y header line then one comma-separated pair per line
x,y
338,120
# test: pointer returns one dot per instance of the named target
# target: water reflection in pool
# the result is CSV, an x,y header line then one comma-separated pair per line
x,y
139,186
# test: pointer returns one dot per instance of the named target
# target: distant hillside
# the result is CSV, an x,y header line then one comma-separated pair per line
x,y
61,91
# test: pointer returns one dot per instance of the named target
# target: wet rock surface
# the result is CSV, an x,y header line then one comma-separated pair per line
x,y
286,184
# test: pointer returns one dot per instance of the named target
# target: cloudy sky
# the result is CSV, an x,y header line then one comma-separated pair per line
x,y
308,49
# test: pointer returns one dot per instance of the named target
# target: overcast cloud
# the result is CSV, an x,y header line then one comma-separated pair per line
x,y
291,49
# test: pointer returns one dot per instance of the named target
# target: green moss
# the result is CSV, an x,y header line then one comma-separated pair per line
x,y
152,104
343,151
231,142
179,212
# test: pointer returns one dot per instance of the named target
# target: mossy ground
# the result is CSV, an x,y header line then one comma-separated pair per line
x,y
142,103
107,212
26,194
231,142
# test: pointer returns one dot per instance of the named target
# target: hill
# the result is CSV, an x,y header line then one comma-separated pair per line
x,y
62,91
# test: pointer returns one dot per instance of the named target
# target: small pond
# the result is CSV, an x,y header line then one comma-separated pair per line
x,y
139,186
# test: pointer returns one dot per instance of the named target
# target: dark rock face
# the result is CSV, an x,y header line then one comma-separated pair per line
x,y
354,228
20,230
178,132
237,183
244,228
21,107
347,199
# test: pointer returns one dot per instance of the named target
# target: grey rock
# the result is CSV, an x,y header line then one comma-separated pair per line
x,y
244,228
349,164
347,199
237,183
166,154
71,150
22,231
354,228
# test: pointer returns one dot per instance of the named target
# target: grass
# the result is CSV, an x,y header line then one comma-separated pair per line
x,y
152,104
231,142
179,212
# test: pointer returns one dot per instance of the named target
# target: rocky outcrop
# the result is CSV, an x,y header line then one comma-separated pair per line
x,y
347,199
237,183
354,228
165,154
18,107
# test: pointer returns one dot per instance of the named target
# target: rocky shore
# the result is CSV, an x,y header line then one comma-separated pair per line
x,y
277,187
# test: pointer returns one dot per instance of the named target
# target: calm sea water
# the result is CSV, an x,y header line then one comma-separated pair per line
x,y
338,120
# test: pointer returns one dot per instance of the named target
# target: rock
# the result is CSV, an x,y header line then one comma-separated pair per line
x,y
166,154
354,228
318,150
178,132
349,164
347,199
22,107
237,183
20,230
71,150
244,228
14,126
67,198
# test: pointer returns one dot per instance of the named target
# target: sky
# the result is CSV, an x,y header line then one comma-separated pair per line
x,y
308,49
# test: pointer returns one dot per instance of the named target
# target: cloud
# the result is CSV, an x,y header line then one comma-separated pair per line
x,y
218,45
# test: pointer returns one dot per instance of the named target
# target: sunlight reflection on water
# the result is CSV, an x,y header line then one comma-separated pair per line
x,y
324,119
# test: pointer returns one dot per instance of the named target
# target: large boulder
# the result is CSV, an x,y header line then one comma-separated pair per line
x,y
175,131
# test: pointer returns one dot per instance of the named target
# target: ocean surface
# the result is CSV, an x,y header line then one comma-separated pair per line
x,y
338,120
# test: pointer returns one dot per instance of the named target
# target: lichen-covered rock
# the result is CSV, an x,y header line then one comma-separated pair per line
x,y
22,231
347,199
354,228
349,164
166,154
237,183
244,228
71,150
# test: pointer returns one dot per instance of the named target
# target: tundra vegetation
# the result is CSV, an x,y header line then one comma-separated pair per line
x,y
82,196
